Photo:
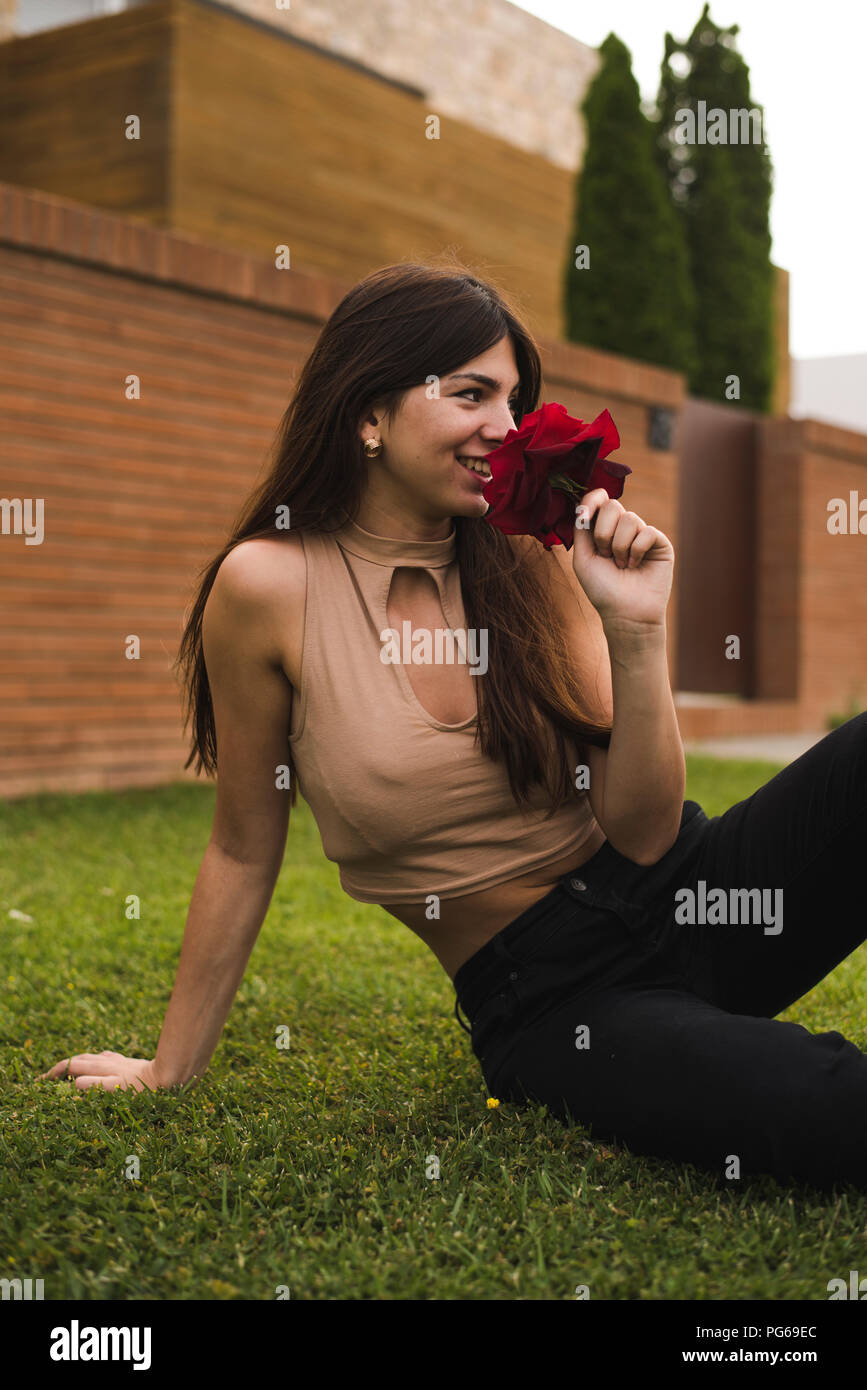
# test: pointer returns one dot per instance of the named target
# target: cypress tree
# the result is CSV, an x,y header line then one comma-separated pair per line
x,y
635,297
721,192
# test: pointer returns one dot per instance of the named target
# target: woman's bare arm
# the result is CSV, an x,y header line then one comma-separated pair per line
x,y
252,706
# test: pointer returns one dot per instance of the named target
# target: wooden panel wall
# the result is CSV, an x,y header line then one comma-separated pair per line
x,y
336,163
782,394
717,510
65,95
251,139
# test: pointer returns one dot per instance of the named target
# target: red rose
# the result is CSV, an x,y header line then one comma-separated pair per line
x,y
542,469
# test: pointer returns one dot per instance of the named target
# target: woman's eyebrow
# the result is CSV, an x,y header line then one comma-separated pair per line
x,y
478,376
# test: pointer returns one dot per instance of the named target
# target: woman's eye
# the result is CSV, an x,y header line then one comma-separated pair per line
x,y
477,391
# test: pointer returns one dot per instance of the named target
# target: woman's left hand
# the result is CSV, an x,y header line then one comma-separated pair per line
x,y
624,566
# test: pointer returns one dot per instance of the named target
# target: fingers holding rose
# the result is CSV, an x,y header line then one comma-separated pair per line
x,y
608,557
617,533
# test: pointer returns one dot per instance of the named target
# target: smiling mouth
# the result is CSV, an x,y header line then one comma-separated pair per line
x,y
475,465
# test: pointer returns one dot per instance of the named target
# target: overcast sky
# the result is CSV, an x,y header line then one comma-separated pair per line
x,y
807,70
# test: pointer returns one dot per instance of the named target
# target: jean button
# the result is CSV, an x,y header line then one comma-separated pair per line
x,y
578,883
513,975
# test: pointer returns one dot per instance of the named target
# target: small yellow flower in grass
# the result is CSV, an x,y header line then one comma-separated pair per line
x,y
492,1103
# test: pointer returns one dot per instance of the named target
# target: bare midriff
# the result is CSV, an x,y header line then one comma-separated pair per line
x,y
467,923
448,692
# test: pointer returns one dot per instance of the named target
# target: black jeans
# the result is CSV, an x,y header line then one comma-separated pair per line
x,y
606,1002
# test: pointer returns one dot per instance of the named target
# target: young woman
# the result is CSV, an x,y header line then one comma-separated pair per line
x,y
458,798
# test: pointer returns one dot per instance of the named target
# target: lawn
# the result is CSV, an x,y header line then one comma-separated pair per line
x,y
304,1168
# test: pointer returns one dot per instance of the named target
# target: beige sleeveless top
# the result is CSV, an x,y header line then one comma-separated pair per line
x,y
406,806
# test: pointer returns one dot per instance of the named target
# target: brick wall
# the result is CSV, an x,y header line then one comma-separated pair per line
x,y
139,495
810,601
831,575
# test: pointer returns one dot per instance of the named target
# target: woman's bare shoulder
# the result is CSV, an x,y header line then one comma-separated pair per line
x,y
265,559
264,580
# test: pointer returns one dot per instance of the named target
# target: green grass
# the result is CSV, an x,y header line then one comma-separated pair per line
x,y
306,1167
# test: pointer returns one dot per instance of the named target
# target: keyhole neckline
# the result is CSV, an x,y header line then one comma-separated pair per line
x,y
394,551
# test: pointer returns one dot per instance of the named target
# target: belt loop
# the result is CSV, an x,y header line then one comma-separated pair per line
x,y
459,1019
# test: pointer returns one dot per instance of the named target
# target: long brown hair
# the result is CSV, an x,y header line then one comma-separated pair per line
x,y
395,329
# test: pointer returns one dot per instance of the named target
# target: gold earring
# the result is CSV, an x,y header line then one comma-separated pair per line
x,y
372,447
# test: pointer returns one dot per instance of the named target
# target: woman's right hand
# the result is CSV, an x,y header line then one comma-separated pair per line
x,y
111,1070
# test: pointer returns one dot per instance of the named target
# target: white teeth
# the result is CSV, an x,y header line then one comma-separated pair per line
x,y
477,465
